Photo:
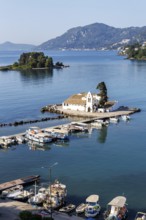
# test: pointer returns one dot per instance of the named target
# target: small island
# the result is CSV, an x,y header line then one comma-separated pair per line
x,y
33,60
135,51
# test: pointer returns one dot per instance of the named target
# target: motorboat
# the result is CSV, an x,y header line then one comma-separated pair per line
x,y
68,208
77,127
93,208
114,119
20,139
6,141
36,134
140,216
57,195
40,197
81,208
14,193
116,209
24,195
125,117
97,125
10,191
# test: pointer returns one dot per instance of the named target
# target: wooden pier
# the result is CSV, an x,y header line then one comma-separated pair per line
x,y
22,181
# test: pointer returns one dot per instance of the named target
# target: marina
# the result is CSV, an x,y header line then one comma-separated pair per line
x,y
108,161
46,135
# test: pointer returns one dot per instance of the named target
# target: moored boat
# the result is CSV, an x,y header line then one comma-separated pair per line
x,y
93,208
57,195
11,190
36,134
125,117
24,195
81,208
39,198
140,216
67,208
114,119
116,209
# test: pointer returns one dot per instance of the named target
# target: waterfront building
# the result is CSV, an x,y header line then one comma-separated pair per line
x,y
86,102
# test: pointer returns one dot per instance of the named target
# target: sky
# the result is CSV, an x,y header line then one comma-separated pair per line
x,y
36,21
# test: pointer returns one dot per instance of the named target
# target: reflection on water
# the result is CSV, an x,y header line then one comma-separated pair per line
x,y
33,75
38,146
102,135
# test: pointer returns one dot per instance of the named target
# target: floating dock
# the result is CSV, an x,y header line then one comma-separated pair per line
x,y
22,181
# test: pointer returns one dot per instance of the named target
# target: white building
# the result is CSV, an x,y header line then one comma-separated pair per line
x,y
87,102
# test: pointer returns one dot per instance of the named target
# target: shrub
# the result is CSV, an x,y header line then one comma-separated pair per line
x,y
25,215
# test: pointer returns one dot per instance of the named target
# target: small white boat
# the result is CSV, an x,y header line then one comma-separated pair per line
x,y
20,139
125,117
97,125
36,134
114,119
23,196
14,193
140,216
68,208
81,208
39,198
116,209
11,190
93,208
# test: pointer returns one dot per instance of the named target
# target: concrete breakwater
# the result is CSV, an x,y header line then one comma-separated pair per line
x,y
22,122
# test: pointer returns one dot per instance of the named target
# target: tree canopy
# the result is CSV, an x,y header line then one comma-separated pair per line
x,y
103,93
136,51
34,60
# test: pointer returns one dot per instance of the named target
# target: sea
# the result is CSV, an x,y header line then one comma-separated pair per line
x,y
109,162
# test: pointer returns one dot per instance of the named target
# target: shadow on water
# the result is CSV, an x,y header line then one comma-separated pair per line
x,y
34,75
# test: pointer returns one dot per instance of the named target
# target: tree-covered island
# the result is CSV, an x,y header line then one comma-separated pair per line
x,y
135,52
33,60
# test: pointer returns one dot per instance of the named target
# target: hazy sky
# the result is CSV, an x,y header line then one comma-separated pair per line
x,y
36,21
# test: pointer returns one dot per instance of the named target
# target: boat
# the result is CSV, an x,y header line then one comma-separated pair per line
x,y
81,208
22,181
116,209
114,119
67,208
36,134
23,196
97,125
93,208
14,193
77,127
125,117
57,196
11,190
39,198
140,216
6,141
20,139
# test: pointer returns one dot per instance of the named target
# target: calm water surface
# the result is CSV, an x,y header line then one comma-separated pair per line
x,y
108,162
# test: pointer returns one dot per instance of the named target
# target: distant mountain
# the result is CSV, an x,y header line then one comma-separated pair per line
x,y
96,36
9,46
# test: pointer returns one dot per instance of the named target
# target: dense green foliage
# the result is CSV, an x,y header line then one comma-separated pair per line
x,y
103,93
33,60
136,51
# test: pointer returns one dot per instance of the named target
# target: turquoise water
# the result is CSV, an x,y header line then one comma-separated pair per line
x,y
108,162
